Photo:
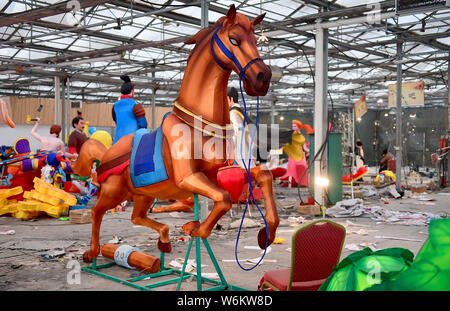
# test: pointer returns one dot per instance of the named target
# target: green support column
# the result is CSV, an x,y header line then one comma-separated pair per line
x,y
334,166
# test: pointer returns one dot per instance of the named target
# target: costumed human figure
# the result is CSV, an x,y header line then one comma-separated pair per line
x,y
361,169
51,142
386,156
241,151
359,154
76,140
262,144
128,115
297,152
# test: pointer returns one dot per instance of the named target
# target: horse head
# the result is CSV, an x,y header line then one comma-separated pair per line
x,y
233,47
237,34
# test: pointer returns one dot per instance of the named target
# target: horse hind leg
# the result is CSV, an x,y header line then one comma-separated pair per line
x,y
139,217
111,195
179,206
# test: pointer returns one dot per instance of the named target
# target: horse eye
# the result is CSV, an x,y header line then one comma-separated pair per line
x,y
234,42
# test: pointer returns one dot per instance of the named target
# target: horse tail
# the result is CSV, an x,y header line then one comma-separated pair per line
x,y
91,151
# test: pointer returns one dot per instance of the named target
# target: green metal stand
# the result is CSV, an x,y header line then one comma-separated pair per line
x,y
183,275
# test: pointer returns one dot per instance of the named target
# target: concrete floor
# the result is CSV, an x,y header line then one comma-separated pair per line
x,y
23,267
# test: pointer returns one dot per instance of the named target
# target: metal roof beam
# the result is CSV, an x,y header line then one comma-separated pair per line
x,y
35,14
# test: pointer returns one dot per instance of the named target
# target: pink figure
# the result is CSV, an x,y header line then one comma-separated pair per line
x,y
297,169
51,142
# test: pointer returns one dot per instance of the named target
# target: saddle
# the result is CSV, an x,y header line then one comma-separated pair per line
x,y
147,165
145,160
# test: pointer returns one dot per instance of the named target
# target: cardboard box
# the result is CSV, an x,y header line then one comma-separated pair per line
x,y
309,210
80,216
357,194
418,189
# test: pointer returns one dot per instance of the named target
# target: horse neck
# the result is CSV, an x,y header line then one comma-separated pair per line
x,y
204,87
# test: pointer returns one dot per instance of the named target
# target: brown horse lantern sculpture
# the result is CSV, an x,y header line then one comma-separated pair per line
x,y
202,97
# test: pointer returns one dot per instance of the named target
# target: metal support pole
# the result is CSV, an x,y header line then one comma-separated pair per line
x,y
272,115
204,24
398,147
153,97
320,110
57,100
67,124
448,122
423,149
63,112
204,16
353,151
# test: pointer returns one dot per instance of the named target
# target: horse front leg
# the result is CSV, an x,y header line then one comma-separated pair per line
x,y
199,183
264,179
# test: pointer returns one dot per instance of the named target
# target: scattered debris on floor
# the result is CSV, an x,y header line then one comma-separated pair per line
x,y
296,220
396,238
246,223
7,232
360,246
356,208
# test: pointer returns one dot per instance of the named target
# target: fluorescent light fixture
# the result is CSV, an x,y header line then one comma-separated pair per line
x,y
322,182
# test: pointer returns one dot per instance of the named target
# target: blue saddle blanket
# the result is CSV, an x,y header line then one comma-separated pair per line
x,y
147,163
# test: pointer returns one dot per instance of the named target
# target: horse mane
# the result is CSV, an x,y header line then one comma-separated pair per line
x,y
202,34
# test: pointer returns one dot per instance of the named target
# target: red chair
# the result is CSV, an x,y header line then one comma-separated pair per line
x,y
316,249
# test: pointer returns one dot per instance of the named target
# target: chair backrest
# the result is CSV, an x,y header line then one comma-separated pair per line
x,y
316,249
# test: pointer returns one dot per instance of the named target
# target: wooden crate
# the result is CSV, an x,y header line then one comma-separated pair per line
x,y
308,210
80,216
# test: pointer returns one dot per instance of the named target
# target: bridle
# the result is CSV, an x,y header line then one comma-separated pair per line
x,y
215,39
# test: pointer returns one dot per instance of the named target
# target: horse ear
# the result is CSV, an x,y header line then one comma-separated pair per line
x,y
231,15
258,19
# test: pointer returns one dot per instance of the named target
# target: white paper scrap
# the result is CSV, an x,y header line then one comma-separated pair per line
x,y
396,238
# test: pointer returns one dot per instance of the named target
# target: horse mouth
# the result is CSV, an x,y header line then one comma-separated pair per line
x,y
258,84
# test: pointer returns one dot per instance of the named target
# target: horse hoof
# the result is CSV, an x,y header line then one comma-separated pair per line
x,y
189,227
164,247
262,239
86,257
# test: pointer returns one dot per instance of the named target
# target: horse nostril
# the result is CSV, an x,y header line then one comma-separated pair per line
x,y
260,76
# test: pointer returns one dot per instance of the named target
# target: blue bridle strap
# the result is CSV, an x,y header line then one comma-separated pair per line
x,y
229,54
215,38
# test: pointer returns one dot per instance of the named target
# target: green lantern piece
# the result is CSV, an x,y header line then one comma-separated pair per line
x,y
431,268
366,268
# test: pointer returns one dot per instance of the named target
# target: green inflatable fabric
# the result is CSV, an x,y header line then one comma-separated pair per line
x,y
365,268
431,268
